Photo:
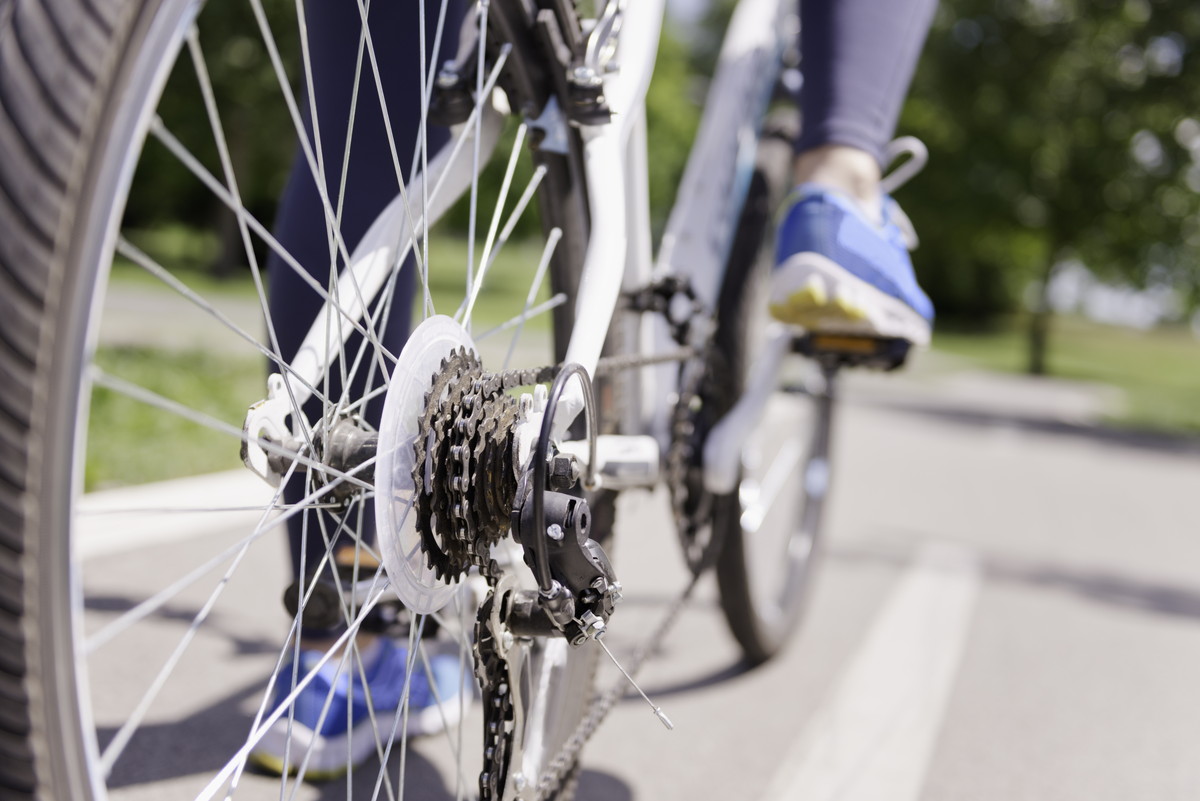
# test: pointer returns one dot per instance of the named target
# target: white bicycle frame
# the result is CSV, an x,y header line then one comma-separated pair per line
x,y
695,245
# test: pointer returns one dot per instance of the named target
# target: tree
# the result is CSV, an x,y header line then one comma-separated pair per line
x,y
173,215
1058,129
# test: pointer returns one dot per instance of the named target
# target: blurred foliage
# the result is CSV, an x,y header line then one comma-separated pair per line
x,y
253,119
1057,129
672,116
259,130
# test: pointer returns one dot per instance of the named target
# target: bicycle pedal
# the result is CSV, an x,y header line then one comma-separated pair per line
x,y
850,350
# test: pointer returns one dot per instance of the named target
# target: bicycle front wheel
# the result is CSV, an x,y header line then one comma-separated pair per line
x,y
146,653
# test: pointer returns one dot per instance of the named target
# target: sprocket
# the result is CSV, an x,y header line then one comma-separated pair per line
x,y
463,473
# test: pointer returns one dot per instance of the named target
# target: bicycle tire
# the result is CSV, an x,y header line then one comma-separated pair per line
x,y
71,75
764,568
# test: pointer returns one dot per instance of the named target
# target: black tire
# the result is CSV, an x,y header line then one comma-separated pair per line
x,y
762,610
72,72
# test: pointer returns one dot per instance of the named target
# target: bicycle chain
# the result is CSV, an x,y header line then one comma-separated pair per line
x,y
465,486
464,474
688,521
697,380
498,710
703,398
559,767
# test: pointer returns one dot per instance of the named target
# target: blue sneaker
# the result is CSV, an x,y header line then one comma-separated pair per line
x,y
836,272
345,736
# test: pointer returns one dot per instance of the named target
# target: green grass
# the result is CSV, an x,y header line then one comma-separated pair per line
x,y
1158,370
505,285
131,442
186,251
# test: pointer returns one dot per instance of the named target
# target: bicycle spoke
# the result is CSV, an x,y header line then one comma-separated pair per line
x,y
121,739
214,119
140,258
191,510
401,720
502,197
459,143
243,753
302,769
315,166
364,44
522,204
536,311
535,286
334,225
775,480
456,745
466,663
306,146
422,147
475,168
344,404
293,636
131,390
151,605
161,133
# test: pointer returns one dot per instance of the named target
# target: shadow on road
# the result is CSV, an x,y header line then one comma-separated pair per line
x,y
182,756
597,786
1137,439
711,679
1097,585
218,623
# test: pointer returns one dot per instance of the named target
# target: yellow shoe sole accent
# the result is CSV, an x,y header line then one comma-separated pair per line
x,y
273,764
810,307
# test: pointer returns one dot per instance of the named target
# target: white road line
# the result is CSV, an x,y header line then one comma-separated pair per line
x,y
873,737
120,520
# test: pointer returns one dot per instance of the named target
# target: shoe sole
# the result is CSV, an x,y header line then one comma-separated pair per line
x,y
327,756
815,293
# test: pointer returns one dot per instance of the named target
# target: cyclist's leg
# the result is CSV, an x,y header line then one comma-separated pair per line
x,y
371,184
843,262
302,229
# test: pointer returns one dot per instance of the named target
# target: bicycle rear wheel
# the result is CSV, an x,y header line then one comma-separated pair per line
x,y
142,645
768,529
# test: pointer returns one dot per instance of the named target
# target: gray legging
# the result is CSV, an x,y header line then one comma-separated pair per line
x,y
858,58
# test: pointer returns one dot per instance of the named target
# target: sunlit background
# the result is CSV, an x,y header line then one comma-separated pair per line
x,y
1059,216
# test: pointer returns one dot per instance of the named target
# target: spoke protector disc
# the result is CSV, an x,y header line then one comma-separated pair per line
x,y
413,580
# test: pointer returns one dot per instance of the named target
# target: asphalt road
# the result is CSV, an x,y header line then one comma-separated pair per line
x,y
1008,608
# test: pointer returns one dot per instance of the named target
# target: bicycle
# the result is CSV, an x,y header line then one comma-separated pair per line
x,y
78,92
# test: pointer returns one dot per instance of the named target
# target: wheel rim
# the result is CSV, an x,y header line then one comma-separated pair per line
x,y
107,608
778,512
783,487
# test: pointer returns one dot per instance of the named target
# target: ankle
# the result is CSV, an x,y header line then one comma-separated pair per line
x,y
853,172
